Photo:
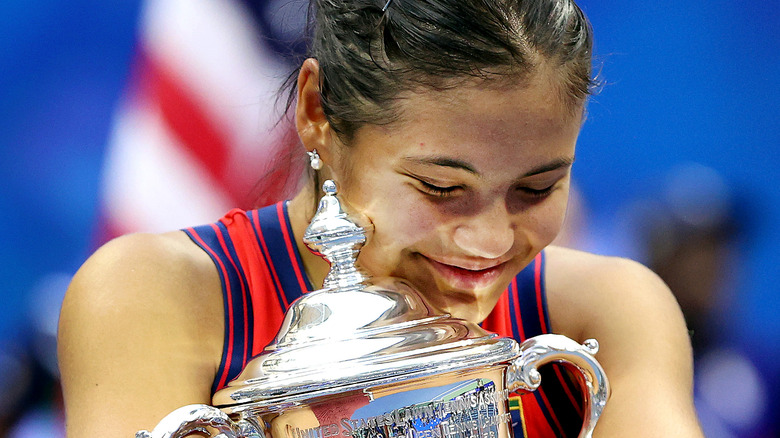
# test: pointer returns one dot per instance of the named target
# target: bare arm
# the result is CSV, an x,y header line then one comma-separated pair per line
x,y
645,349
140,334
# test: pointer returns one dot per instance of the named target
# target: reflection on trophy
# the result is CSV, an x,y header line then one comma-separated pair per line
x,y
394,369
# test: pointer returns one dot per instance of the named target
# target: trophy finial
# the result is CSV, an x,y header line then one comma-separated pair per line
x,y
334,236
329,187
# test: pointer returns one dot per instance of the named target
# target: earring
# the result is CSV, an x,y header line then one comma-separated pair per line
x,y
314,159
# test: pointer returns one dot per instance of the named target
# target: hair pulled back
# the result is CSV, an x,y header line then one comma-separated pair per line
x,y
369,55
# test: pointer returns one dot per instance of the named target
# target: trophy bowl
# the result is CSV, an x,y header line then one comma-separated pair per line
x,y
369,358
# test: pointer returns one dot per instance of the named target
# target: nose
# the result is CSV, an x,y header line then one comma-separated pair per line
x,y
489,234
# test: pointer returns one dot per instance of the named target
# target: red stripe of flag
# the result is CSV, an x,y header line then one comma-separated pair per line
x,y
188,122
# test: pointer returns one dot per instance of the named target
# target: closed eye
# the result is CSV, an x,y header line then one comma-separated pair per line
x,y
537,193
437,191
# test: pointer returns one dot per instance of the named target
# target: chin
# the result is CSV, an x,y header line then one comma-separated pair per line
x,y
471,313
463,305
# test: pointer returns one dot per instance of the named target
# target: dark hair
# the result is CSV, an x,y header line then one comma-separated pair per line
x,y
368,56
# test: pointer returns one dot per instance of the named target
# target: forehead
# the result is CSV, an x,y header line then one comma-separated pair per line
x,y
526,106
481,123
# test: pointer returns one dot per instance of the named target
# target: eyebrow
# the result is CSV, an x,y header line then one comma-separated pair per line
x,y
552,165
459,164
444,162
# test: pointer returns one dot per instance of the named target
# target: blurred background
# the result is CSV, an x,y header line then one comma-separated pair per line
x,y
152,115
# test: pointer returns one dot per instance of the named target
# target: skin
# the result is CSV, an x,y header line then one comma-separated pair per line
x,y
471,180
483,170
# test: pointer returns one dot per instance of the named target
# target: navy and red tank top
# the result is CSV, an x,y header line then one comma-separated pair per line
x,y
262,274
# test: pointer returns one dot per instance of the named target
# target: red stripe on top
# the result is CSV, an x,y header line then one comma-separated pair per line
x,y
518,316
275,276
266,308
290,250
565,387
244,304
539,292
536,424
498,321
229,353
554,417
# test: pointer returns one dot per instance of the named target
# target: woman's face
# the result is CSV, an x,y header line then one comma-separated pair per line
x,y
464,191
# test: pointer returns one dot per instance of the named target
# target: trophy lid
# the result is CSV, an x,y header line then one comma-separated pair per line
x,y
357,332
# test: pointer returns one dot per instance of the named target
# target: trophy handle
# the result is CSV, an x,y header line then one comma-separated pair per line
x,y
523,373
195,418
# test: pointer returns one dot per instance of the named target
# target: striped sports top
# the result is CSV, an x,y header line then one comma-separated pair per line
x,y
262,273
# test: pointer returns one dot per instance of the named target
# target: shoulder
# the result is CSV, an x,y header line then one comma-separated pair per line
x,y
141,318
137,267
584,288
644,344
574,265
137,278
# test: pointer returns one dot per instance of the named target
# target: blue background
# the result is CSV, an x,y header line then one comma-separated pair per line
x,y
693,81
685,82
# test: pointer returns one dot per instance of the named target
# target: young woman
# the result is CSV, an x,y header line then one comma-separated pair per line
x,y
451,125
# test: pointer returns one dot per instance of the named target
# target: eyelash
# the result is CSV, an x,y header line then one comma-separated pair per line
x,y
537,193
443,192
439,192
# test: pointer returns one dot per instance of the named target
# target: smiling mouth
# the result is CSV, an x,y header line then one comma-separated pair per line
x,y
471,278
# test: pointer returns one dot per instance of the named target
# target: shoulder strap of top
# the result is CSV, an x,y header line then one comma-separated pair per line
x,y
218,242
274,235
261,274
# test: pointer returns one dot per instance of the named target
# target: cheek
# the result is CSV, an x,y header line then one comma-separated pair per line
x,y
537,225
401,229
402,224
546,221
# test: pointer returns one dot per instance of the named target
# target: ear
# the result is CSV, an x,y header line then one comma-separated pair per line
x,y
310,121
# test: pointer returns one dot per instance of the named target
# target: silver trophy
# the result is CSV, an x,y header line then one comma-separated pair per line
x,y
369,358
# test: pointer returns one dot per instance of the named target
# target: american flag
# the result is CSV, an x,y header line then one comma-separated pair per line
x,y
199,130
